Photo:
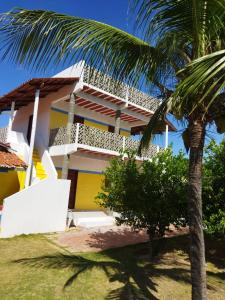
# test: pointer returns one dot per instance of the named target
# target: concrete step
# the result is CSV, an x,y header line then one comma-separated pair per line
x,y
91,219
40,171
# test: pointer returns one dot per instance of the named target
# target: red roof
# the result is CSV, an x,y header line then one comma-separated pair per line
x,y
8,159
24,94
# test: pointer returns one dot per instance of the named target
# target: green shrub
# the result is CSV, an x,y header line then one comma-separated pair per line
x,y
214,188
149,195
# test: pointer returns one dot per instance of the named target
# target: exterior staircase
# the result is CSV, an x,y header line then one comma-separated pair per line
x,y
40,171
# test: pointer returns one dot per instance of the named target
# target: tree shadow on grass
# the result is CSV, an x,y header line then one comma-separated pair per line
x,y
135,283
120,265
129,266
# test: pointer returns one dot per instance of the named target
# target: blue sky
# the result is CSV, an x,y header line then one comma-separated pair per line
x,y
113,12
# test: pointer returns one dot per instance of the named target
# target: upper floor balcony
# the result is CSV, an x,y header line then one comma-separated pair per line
x,y
119,89
89,139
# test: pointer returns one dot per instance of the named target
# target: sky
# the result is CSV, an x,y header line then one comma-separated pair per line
x,y
113,12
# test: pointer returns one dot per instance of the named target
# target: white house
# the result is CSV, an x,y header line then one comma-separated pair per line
x,y
105,117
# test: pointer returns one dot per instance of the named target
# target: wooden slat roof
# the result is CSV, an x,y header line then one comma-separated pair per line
x,y
24,94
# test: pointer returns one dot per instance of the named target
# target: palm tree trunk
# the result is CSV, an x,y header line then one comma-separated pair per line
x,y
197,245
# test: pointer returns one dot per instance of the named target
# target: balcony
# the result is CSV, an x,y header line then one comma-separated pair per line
x,y
106,83
96,140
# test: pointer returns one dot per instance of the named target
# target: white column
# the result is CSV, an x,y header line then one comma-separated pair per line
x,y
117,121
32,139
71,113
10,121
166,137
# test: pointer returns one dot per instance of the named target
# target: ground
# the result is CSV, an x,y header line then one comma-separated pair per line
x,y
40,267
101,238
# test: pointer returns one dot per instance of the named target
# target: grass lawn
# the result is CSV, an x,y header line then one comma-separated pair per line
x,y
33,267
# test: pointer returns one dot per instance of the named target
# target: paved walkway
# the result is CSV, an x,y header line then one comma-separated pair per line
x,y
101,238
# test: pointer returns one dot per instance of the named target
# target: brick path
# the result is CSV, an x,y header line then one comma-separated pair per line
x,y
101,238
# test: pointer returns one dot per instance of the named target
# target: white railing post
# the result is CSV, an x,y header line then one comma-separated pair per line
x,y
124,143
32,139
117,121
166,137
77,133
157,149
10,121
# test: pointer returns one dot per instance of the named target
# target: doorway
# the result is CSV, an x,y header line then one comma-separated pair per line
x,y
72,175
78,119
29,128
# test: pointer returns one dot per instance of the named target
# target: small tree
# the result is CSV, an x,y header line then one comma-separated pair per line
x,y
148,196
214,189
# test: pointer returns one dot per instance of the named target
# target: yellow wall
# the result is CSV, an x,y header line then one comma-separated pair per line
x,y
21,178
88,186
59,172
124,133
57,119
10,183
96,125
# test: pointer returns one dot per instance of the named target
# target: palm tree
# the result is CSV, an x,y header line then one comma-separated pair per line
x,y
174,33
207,74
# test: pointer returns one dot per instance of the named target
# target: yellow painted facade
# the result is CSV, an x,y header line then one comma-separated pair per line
x,y
57,119
59,172
96,125
124,133
11,182
21,177
88,186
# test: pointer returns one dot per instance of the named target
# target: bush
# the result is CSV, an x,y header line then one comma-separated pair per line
x,y
148,196
214,189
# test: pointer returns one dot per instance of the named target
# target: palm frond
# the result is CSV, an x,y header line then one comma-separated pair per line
x,y
196,20
206,74
158,116
38,39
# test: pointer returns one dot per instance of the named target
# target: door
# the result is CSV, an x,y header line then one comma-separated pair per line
x,y
72,175
29,128
111,129
78,119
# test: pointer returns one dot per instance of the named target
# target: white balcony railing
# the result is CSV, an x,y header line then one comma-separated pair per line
x,y
3,134
93,137
119,89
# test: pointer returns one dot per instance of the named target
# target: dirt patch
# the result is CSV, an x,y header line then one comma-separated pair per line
x,y
102,238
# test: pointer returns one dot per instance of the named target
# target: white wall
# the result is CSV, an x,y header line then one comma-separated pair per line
x,y
20,122
19,143
20,125
75,70
83,163
38,209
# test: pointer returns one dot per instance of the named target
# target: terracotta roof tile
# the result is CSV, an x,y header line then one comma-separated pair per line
x,y
8,159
